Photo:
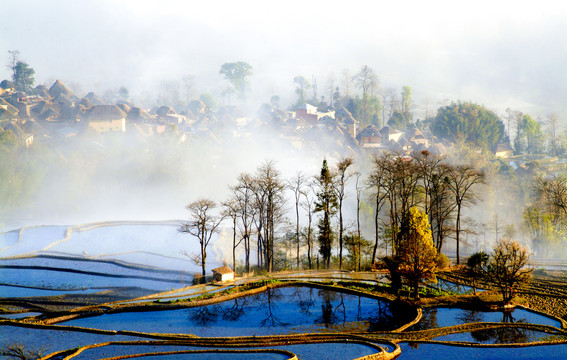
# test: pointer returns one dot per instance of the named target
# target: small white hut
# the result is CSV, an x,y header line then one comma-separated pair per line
x,y
223,273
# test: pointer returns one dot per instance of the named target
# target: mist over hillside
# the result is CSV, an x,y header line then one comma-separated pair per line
x,y
356,81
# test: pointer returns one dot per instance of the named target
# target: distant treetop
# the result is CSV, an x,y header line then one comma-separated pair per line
x,y
470,122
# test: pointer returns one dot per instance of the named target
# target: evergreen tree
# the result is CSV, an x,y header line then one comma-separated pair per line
x,y
470,122
23,76
327,204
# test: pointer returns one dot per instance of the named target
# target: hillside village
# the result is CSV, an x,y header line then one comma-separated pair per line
x,y
56,114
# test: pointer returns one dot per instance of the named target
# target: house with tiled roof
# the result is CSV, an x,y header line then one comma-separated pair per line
x,y
106,118
223,273
369,137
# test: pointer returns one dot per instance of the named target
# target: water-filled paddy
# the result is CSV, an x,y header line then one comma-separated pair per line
x,y
452,287
53,340
62,279
30,239
134,242
9,291
329,351
92,265
276,311
504,335
19,315
419,351
217,356
442,317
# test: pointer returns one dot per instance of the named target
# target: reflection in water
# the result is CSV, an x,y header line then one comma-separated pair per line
x,y
276,311
271,320
469,316
442,317
305,301
507,335
234,312
204,316
387,314
428,320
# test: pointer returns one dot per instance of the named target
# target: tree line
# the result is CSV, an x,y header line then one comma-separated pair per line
x,y
258,206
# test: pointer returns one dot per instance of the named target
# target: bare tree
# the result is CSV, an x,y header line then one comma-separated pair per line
x,y
244,195
437,204
231,210
507,267
377,182
309,205
296,185
393,101
331,89
346,82
202,224
339,186
270,201
13,60
441,206
302,86
367,81
461,181
358,196
20,352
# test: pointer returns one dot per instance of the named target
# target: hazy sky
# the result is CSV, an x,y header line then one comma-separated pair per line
x,y
498,53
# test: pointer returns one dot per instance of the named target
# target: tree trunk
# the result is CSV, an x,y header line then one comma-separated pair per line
x,y
340,234
458,229
376,221
297,228
358,228
309,245
203,259
234,244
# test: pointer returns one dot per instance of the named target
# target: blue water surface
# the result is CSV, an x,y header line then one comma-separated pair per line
x,y
275,311
418,351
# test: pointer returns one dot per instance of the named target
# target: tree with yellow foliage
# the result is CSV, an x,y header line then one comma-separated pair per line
x,y
417,255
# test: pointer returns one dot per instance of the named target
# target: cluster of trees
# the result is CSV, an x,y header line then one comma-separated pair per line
x,y
506,267
422,180
256,207
396,184
370,105
545,219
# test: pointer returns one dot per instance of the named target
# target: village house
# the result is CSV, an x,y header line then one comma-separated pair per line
x,y
106,118
223,273
416,137
310,114
349,122
388,133
503,151
369,137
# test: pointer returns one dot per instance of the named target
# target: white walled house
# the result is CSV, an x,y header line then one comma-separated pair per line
x,y
223,273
